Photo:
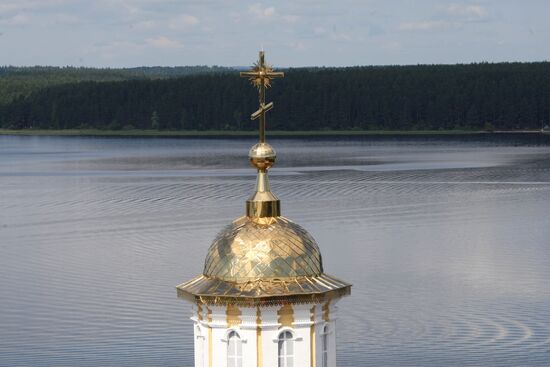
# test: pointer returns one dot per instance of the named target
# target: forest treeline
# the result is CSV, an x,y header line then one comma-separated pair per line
x,y
21,81
474,96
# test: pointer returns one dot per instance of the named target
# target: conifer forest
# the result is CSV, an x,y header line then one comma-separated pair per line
x,y
483,96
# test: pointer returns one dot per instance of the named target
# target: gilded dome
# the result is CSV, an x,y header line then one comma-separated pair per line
x,y
263,261
262,248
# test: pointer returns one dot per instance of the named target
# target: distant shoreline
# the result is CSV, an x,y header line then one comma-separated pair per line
x,y
223,133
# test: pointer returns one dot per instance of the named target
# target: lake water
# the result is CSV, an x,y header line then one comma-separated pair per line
x,y
445,239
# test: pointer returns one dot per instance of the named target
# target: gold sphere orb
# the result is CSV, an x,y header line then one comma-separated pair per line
x,y
262,156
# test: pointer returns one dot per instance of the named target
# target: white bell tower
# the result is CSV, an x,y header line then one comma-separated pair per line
x,y
263,299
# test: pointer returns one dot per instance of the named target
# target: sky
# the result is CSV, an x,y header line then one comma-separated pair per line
x,y
294,33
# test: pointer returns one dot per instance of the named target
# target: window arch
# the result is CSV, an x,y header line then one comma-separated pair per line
x,y
324,346
286,349
234,350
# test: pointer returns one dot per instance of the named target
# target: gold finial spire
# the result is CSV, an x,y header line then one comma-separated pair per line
x,y
262,155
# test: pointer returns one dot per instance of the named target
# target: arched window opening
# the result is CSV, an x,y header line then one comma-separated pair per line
x,y
234,350
324,346
286,349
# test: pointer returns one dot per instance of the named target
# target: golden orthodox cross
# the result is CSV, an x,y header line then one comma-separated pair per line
x,y
261,76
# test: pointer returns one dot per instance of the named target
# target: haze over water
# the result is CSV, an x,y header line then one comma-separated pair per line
x,y
445,239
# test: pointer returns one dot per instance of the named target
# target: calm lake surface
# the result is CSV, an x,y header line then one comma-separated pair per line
x,y
445,239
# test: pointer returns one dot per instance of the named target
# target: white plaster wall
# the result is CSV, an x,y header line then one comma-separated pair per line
x,y
270,327
319,323
332,334
332,344
219,333
200,346
331,341
200,339
302,333
247,331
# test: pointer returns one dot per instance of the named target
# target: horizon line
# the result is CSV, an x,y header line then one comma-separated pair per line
x,y
275,66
